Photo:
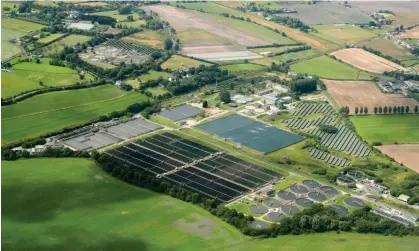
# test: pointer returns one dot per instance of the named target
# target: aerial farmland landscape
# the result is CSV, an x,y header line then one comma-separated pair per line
x,y
210,125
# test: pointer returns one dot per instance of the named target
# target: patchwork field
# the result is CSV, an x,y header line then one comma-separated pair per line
x,y
177,62
325,13
367,61
388,129
151,38
26,76
70,40
407,154
342,34
387,47
364,93
133,216
394,6
72,108
326,67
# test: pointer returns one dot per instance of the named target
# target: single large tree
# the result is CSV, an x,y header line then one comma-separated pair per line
x,y
361,110
416,109
402,109
385,110
394,109
366,110
225,96
380,110
389,109
356,110
375,110
407,109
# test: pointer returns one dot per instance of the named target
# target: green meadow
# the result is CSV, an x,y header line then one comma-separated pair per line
x,y
20,25
325,67
70,204
59,45
242,67
27,76
388,129
36,122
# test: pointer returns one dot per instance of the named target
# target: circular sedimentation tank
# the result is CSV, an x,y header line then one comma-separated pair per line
x,y
298,189
286,195
317,196
311,183
290,210
304,202
258,209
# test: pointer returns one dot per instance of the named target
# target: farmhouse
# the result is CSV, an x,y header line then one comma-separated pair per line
x,y
403,197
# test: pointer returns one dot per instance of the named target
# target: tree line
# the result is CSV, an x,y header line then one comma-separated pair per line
x,y
385,110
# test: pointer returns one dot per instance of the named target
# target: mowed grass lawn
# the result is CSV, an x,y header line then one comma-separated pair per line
x,y
54,118
70,204
325,67
176,62
26,76
388,129
71,40
20,25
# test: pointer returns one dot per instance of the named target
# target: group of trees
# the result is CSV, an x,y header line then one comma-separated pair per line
x,y
386,110
409,187
329,129
225,96
62,152
362,110
402,75
317,219
304,85
291,22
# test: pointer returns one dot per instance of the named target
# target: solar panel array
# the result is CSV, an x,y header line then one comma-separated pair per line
x,y
328,158
113,134
194,166
261,137
344,140
180,112
304,109
297,123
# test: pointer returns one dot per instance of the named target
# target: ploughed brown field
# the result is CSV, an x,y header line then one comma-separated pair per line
x,y
367,61
183,20
408,154
413,33
364,93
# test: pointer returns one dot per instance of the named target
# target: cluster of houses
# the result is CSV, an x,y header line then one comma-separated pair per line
x,y
401,87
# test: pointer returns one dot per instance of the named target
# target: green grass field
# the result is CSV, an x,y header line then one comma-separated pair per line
x,y
325,67
26,76
20,25
13,6
387,47
76,206
388,129
150,75
237,68
70,40
49,38
288,57
157,90
342,34
153,38
210,7
115,14
9,49
51,119
252,28
176,62
57,100
410,62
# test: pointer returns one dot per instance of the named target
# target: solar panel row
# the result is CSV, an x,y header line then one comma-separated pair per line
x,y
197,167
180,112
112,134
251,133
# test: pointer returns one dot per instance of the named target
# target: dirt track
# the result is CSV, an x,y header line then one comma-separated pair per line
x,y
364,93
407,154
367,61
